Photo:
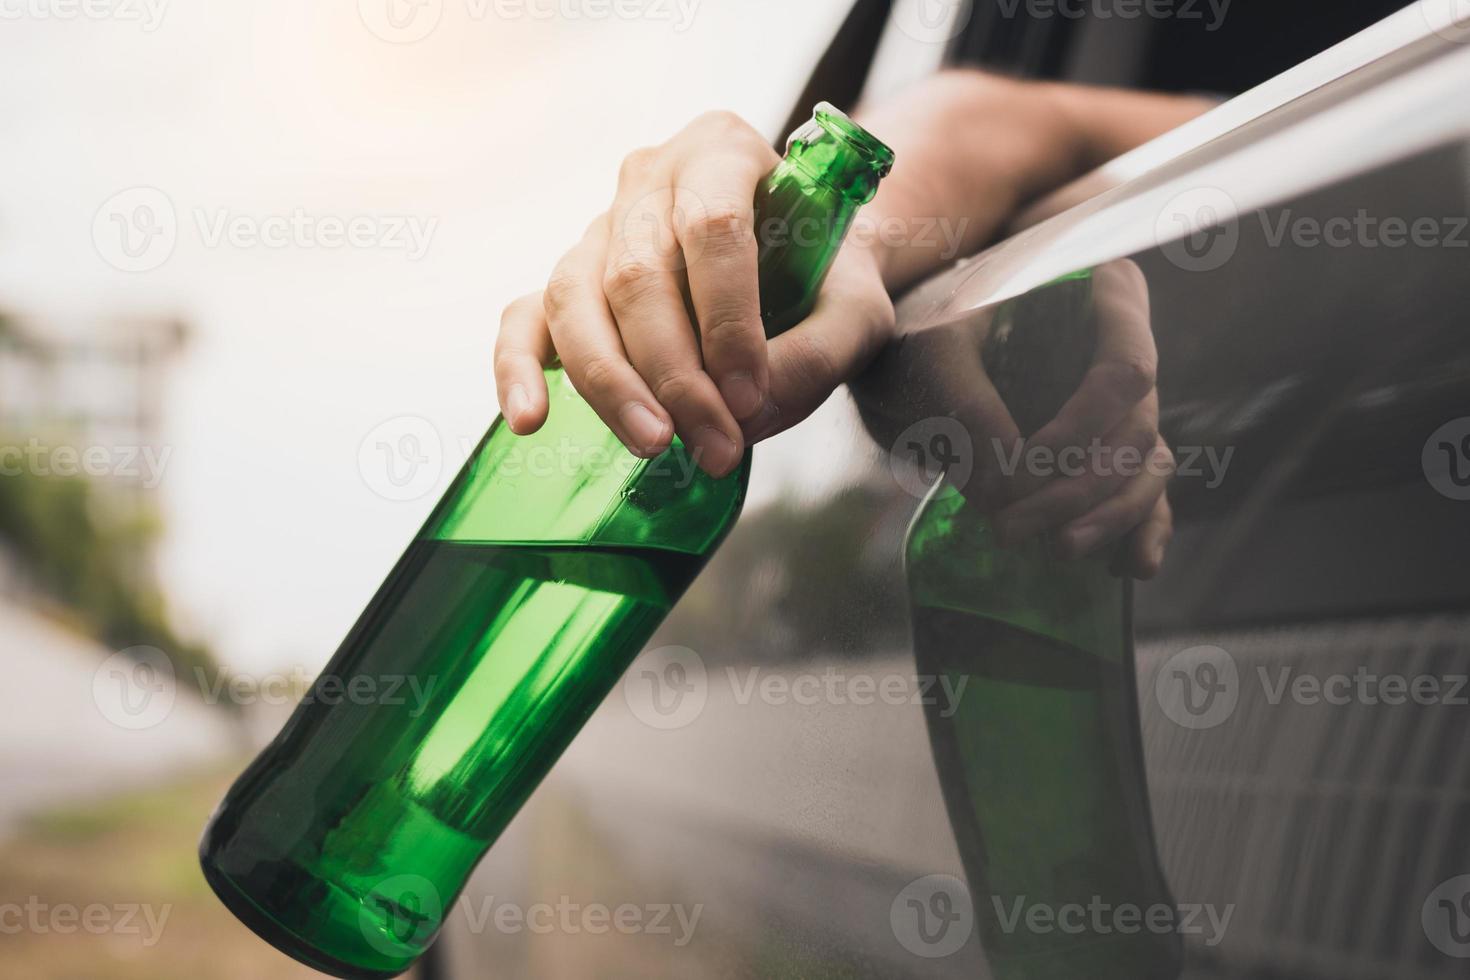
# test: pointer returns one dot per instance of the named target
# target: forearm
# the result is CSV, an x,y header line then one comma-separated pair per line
x,y
973,149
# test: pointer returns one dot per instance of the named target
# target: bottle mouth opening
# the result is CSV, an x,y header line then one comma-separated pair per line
x,y
840,125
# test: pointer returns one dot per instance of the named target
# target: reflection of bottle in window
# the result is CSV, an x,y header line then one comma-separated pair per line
x,y
1039,753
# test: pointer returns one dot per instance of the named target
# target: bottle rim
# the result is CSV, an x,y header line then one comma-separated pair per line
x,y
841,125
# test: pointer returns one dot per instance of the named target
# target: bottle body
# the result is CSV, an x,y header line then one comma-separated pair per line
x,y
535,581
1041,758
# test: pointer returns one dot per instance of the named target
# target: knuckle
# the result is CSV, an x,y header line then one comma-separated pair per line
x,y
675,388
1133,375
720,119
637,163
560,293
724,226
629,280
728,326
599,376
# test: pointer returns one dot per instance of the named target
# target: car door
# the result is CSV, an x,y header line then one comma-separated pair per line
x,y
760,796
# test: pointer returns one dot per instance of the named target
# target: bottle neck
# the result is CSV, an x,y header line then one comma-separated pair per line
x,y
804,207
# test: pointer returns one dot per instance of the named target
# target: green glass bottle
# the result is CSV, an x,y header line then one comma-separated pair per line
x,y
1040,760
533,584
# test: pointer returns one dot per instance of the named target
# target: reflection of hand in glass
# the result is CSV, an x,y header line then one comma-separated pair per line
x,y
1109,430
1092,473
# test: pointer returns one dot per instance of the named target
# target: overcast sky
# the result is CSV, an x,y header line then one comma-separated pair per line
x,y
490,141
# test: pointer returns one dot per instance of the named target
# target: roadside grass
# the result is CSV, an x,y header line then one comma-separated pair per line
x,y
127,862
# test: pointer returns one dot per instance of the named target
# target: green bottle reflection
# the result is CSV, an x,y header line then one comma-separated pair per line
x,y
1041,759
534,583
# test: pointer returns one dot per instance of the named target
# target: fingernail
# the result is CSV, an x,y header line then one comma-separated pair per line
x,y
715,452
741,395
1081,540
517,404
1157,554
648,432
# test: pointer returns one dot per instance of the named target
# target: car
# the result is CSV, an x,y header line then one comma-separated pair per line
x,y
1301,663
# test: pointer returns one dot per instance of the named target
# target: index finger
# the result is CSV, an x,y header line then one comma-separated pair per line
x,y
713,194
